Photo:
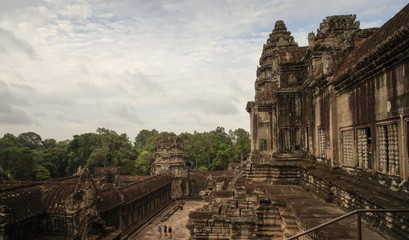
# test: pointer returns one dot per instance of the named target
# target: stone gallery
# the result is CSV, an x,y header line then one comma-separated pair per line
x,y
329,135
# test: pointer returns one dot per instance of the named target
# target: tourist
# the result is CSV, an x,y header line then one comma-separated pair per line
x,y
165,230
160,231
170,231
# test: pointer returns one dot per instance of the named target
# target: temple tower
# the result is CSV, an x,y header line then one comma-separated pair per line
x,y
169,160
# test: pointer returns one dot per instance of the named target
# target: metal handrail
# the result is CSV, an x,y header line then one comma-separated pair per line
x,y
358,211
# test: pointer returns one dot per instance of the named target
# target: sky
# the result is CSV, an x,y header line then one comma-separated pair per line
x,y
69,67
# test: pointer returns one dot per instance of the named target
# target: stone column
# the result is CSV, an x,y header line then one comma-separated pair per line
x,y
254,142
333,129
404,153
270,131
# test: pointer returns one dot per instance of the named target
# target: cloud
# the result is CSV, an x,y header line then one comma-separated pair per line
x,y
371,24
214,105
10,43
125,112
10,107
70,66
135,83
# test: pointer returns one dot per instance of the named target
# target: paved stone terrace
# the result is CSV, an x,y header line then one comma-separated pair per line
x,y
311,212
178,222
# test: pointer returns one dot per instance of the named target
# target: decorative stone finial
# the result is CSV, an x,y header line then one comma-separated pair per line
x,y
280,26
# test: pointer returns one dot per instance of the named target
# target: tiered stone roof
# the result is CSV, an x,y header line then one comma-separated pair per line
x,y
22,200
386,42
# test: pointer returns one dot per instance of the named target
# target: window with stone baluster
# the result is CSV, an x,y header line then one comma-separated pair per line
x,y
364,147
321,142
347,145
388,148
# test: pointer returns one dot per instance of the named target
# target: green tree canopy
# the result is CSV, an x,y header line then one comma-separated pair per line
x,y
30,139
28,157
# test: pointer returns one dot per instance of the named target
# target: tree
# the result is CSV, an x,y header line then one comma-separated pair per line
x,y
41,173
27,157
98,158
241,144
9,140
144,162
55,160
30,139
202,168
198,147
143,136
49,143
224,156
79,150
18,162
223,136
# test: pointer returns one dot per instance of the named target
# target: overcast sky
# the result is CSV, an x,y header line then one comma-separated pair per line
x,y
69,67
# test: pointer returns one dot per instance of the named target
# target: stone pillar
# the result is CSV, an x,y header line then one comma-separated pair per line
x,y
270,133
255,141
252,110
404,153
274,130
333,123
317,123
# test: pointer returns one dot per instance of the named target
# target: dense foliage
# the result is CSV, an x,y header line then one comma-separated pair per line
x,y
29,157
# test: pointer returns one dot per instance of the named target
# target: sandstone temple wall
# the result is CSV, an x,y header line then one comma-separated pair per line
x,y
333,117
344,99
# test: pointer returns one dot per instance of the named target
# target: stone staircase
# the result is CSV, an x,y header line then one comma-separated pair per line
x,y
272,168
300,210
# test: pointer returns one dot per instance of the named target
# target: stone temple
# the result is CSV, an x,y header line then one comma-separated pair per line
x,y
329,135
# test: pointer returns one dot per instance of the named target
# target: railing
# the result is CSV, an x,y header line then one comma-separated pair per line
x,y
359,228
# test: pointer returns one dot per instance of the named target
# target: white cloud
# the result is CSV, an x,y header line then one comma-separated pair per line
x,y
11,107
371,24
70,66
10,43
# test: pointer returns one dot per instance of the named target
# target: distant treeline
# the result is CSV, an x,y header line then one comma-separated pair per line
x,y
28,157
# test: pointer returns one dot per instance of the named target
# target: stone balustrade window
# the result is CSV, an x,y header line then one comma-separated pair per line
x,y
286,139
321,141
388,148
297,139
306,139
263,145
347,147
364,145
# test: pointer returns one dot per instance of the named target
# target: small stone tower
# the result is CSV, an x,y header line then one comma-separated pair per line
x,y
169,159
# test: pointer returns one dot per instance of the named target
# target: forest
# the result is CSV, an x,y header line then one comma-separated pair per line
x,y
29,157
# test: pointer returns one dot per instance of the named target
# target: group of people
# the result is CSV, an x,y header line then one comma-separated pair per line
x,y
166,230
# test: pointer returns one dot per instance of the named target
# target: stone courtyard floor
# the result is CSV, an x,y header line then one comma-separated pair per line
x,y
178,222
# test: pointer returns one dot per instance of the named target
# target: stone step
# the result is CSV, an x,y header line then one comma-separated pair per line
x,y
309,212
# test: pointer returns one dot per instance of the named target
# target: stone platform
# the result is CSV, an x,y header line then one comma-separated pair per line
x,y
274,212
177,220
307,212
